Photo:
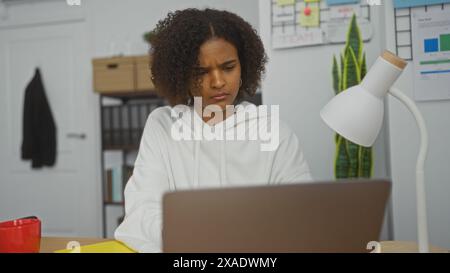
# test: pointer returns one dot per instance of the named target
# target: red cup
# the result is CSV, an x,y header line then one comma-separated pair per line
x,y
20,236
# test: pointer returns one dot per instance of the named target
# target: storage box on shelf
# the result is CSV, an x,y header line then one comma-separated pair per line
x,y
122,75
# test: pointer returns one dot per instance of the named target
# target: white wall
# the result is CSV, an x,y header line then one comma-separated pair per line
x,y
124,22
404,141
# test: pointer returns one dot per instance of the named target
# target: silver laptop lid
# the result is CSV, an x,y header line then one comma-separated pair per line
x,y
334,216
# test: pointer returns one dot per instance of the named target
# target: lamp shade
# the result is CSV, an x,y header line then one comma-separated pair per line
x,y
357,113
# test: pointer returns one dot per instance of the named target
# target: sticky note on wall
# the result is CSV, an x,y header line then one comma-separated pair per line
x,y
309,15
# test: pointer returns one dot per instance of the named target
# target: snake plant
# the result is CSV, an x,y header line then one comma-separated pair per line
x,y
351,160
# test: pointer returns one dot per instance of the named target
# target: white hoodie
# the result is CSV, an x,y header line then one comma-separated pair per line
x,y
166,164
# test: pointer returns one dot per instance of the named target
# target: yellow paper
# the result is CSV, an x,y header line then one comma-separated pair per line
x,y
104,247
285,2
311,20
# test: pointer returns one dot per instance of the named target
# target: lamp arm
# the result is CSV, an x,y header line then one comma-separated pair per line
x,y
422,228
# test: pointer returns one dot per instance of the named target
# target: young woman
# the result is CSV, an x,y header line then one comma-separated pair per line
x,y
205,61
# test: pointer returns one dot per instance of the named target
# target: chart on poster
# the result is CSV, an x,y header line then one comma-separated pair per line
x,y
431,47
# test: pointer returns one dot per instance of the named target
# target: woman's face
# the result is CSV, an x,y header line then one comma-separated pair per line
x,y
219,72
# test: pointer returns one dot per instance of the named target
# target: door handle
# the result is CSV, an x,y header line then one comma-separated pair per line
x,y
76,135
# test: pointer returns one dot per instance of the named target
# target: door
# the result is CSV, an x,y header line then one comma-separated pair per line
x,y
65,197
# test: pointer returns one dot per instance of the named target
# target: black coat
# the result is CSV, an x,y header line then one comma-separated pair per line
x,y
39,129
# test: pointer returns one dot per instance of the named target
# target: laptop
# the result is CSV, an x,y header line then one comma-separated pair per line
x,y
333,216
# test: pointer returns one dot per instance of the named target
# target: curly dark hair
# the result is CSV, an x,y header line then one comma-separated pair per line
x,y
176,45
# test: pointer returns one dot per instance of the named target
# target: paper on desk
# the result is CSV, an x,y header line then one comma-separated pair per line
x,y
104,247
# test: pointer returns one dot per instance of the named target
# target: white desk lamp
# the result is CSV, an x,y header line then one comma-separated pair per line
x,y
357,115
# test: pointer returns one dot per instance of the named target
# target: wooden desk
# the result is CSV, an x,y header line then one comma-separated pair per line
x,y
407,247
51,244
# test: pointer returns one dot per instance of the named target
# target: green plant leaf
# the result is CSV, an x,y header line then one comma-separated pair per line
x,y
360,157
354,39
341,162
352,72
366,162
363,66
336,76
341,82
352,151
